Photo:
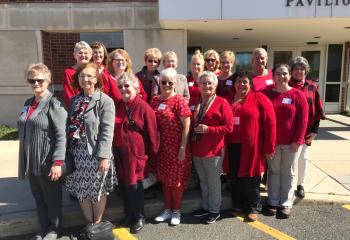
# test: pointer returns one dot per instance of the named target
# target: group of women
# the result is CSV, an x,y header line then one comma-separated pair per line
x,y
117,126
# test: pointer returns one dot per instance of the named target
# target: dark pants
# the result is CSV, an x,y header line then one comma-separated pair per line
x,y
245,190
133,198
48,199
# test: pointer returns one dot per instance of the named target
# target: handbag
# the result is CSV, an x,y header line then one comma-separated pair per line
x,y
99,231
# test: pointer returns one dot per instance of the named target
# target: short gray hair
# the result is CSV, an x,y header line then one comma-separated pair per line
x,y
208,74
82,45
129,77
169,73
300,61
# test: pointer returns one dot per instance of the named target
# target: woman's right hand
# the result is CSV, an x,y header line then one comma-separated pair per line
x,y
104,165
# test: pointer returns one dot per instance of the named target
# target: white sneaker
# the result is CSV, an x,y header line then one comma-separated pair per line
x,y
175,218
165,215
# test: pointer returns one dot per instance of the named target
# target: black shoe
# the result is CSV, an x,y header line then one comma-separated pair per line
x,y
126,221
212,217
137,226
284,212
270,210
200,213
300,191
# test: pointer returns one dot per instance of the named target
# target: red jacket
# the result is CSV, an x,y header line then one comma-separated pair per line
x,y
219,120
68,90
257,129
137,146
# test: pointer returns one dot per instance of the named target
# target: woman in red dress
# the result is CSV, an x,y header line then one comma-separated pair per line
x,y
173,160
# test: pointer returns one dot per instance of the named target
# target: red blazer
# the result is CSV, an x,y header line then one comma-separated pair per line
x,y
257,127
109,86
68,90
219,120
137,147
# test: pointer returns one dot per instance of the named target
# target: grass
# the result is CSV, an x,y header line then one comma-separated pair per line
x,y
8,133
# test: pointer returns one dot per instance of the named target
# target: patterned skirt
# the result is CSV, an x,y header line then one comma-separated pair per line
x,y
87,182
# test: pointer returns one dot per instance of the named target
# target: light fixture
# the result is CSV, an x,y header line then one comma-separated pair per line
x,y
317,37
235,38
248,29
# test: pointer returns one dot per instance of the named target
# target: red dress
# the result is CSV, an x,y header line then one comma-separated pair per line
x,y
170,170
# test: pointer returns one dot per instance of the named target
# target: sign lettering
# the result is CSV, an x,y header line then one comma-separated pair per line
x,y
326,3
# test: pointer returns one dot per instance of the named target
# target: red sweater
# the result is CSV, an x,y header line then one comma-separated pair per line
x,y
137,146
110,87
68,90
263,83
194,92
255,126
291,115
219,120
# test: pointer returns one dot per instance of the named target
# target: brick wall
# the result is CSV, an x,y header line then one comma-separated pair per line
x,y
345,78
58,52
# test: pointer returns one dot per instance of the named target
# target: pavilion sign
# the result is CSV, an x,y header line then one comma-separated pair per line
x,y
326,3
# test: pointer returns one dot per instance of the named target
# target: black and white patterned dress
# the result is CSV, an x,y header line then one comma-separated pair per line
x,y
87,182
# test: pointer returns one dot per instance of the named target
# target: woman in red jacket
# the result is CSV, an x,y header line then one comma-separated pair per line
x,y
249,144
173,160
212,120
291,122
82,54
136,137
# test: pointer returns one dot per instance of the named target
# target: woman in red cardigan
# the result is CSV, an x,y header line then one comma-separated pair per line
x,y
249,144
136,138
291,122
82,54
212,120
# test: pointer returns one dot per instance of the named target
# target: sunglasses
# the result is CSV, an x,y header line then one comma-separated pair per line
x,y
210,60
124,85
33,81
153,61
167,83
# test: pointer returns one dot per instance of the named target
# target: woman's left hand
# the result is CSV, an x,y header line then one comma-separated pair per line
x,y
294,147
104,165
182,154
55,172
201,128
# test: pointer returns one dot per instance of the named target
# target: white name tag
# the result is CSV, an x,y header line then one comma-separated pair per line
x,y
236,120
190,84
193,107
161,106
286,100
229,82
269,82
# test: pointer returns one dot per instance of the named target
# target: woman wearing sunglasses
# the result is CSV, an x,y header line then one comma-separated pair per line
x,y
136,139
212,62
149,74
42,148
173,159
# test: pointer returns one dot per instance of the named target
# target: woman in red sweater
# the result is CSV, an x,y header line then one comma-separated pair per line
x,y
262,77
100,56
291,122
212,62
225,84
82,54
251,142
197,66
136,138
173,159
212,120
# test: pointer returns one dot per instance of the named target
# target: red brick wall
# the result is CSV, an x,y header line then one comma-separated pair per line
x,y
58,52
345,78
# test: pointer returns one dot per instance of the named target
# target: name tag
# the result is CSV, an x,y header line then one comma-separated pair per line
x,y
286,100
190,84
193,107
229,82
161,106
269,82
236,120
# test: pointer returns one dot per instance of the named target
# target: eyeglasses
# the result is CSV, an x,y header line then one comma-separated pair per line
x,y
123,85
33,81
167,83
83,77
210,60
206,83
119,60
152,61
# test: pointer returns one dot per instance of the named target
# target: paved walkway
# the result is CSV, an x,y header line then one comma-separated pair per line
x,y
328,181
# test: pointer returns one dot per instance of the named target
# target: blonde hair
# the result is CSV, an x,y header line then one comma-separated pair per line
x,y
228,54
212,52
259,51
125,55
154,53
38,68
169,54
197,54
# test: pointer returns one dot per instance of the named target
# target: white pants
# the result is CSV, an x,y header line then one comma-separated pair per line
x,y
303,163
281,175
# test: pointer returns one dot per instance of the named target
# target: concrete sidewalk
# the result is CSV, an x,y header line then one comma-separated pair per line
x,y
328,181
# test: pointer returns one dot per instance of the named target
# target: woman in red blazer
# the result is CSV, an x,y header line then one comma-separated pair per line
x,y
249,144
136,138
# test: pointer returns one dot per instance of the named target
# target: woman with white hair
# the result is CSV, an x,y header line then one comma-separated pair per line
x,y
300,68
82,55
262,77
173,159
212,120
